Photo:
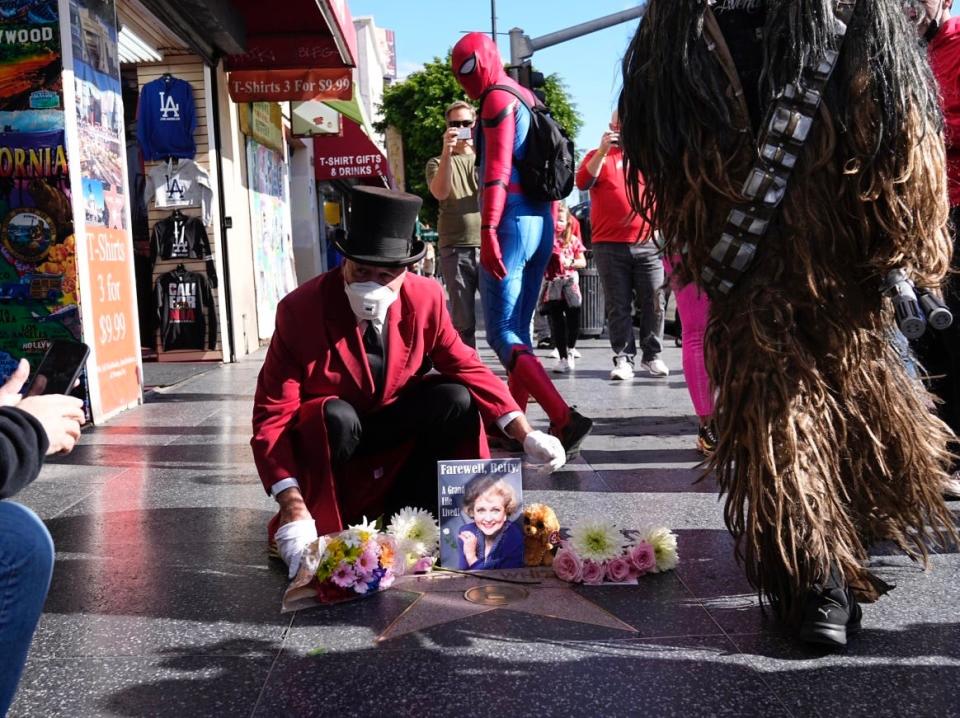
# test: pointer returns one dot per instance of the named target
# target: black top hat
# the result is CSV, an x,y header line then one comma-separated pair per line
x,y
381,228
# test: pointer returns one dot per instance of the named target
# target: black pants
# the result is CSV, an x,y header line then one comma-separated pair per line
x,y
435,414
939,352
564,325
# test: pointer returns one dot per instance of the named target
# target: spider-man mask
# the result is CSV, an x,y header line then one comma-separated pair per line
x,y
476,63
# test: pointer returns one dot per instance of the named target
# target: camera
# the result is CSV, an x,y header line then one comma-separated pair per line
x,y
464,133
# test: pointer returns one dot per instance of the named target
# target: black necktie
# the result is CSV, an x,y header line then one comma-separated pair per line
x,y
373,345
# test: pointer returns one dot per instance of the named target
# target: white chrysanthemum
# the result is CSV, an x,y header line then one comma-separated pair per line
x,y
366,530
414,548
597,540
351,538
415,531
664,543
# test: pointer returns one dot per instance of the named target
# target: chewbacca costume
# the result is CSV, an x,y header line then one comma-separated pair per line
x,y
825,444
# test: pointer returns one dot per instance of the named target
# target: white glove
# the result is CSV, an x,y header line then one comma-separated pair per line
x,y
292,538
546,449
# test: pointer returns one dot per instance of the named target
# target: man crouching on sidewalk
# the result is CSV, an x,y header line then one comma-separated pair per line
x,y
347,419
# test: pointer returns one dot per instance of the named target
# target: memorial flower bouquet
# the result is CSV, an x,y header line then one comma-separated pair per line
x,y
362,560
598,552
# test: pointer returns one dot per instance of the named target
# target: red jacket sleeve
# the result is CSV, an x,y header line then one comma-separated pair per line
x,y
456,360
499,131
276,402
584,179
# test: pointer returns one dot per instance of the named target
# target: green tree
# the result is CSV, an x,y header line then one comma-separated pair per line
x,y
415,108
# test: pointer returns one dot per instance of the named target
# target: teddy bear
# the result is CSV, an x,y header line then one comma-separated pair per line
x,y
541,535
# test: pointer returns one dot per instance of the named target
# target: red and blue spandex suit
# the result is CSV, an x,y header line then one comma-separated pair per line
x,y
516,236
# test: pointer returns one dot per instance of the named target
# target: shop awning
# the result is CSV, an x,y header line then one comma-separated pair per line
x,y
260,35
295,34
212,28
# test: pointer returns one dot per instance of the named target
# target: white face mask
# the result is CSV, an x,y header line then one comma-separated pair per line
x,y
370,300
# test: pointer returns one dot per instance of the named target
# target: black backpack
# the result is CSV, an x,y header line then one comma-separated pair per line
x,y
546,171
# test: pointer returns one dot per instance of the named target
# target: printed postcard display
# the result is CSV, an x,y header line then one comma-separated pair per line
x,y
480,510
267,174
38,271
102,162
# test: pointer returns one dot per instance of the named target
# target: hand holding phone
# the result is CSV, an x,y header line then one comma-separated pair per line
x,y
61,418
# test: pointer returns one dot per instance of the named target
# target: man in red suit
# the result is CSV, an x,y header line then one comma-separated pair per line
x,y
348,419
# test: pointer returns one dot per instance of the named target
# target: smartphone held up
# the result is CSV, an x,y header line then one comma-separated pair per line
x,y
59,369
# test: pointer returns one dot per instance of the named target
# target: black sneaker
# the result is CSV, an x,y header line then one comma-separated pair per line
x,y
707,439
573,433
830,615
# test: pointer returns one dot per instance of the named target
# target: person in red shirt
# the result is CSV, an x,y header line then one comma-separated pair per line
x,y
627,260
939,352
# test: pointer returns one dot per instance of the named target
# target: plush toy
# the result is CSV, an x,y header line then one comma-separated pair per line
x,y
541,534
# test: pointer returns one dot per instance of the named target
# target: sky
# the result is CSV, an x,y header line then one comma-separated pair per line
x,y
589,65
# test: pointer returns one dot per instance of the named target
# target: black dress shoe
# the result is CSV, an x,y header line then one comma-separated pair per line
x,y
504,443
829,616
573,433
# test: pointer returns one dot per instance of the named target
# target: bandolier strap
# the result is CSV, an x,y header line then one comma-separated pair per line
x,y
787,129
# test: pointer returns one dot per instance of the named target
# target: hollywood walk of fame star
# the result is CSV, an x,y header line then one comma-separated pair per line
x,y
442,599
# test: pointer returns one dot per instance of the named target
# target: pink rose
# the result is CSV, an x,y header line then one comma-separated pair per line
x,y
423,565
593,572
567,565
642,558
619,569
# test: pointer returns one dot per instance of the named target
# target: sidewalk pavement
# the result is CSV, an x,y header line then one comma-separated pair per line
x,y
163,601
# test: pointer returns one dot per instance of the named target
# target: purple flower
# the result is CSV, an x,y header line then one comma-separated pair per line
x,y
568,566
619,569
593,572
344,576
386,581
361,585
367,562
423,564
642,558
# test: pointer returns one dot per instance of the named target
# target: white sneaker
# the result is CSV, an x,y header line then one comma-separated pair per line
x,y
622,370
561,367
571,362
574,353
656,367
555,354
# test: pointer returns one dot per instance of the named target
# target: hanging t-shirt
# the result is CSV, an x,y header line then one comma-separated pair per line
x,y
179,236
186,311
166,119
183,183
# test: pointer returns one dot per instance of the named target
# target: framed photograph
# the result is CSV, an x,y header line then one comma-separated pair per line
x,y
481,508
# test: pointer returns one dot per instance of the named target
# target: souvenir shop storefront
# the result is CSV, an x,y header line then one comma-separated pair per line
x,y
162,234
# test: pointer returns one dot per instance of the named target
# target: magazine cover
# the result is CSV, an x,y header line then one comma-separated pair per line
x,y
481,505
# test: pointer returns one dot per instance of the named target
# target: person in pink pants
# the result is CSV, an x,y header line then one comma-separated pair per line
x,y
693,306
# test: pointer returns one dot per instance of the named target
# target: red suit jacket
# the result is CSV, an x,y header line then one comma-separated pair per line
x,y
317,354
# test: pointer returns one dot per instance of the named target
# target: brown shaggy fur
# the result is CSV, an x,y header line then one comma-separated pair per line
x,y
825,443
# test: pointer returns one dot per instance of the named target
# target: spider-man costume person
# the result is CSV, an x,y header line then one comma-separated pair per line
x,y
516,235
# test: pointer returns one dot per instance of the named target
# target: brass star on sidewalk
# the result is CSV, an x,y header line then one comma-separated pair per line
x,y
537,591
